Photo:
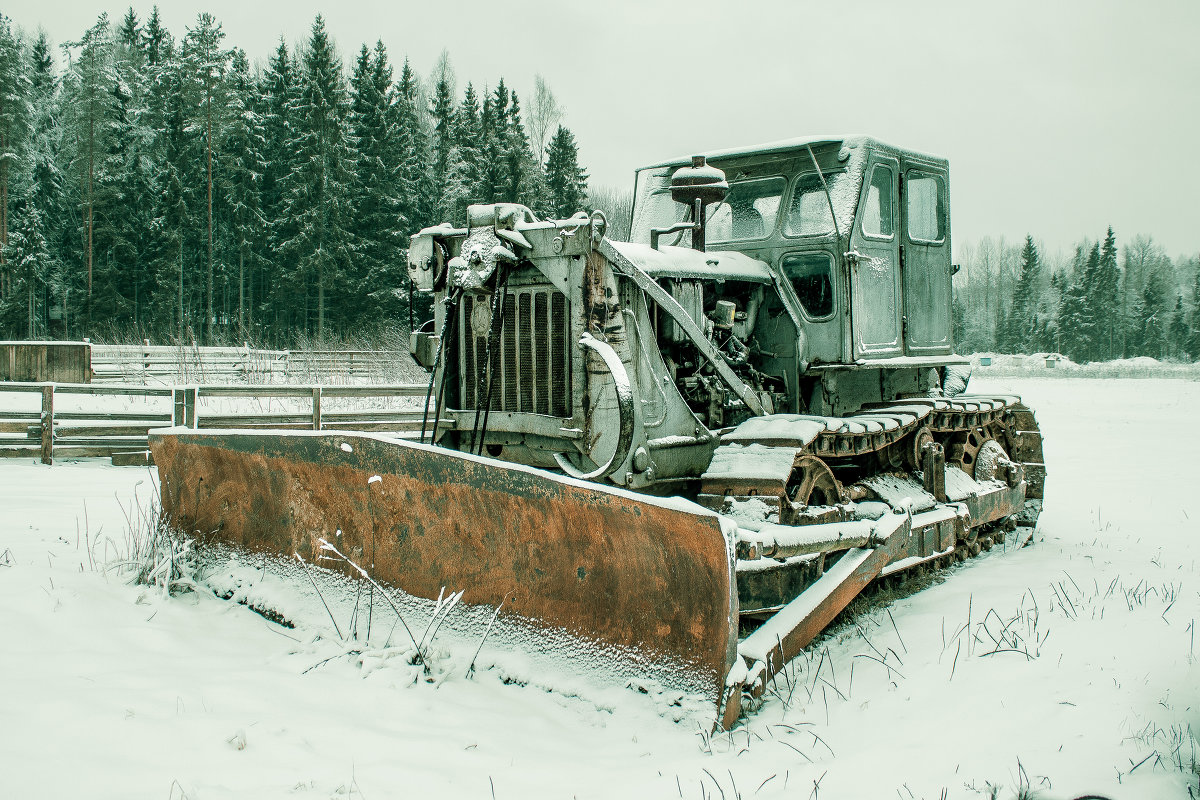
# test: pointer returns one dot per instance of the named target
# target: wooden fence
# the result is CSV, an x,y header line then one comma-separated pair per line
x,y
51,432
45,361
148,364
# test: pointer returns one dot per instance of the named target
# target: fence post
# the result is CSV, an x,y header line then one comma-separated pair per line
x,y
190,394
146,356
316,408
48,423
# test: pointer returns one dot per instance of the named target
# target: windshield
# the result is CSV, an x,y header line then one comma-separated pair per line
x,y
752,208
748,212
809,213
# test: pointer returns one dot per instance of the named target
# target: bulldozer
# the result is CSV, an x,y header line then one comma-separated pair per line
x,y
690,450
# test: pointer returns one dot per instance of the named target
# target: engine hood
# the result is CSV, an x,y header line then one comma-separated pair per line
x,y
684,263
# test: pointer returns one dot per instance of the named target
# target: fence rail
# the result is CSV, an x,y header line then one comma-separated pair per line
x,y
50,431
146,363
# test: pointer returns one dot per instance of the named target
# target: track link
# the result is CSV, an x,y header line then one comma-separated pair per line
x,y
785,469
774,444
948,477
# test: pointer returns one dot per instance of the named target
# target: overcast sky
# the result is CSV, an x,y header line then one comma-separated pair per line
x,y
1059,118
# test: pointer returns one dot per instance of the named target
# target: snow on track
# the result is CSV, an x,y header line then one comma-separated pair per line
x,y
1068,667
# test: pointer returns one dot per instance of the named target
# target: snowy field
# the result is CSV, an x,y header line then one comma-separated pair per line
x,y
1055,365
1059,670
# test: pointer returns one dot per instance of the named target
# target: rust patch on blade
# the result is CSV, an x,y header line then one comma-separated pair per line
x,y
583,559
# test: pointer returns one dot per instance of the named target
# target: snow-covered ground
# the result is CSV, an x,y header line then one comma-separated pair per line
x,y
1055,365
1057,670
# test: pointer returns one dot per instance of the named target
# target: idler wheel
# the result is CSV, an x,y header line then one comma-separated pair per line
x,y
812,483
963,448
914,446
990,462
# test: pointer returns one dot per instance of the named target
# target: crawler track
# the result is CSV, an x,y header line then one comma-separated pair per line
x,y
966,471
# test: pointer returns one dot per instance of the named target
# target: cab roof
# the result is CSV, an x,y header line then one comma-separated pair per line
x,y
845,143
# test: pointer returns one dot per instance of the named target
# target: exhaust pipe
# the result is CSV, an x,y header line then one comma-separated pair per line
x,y
696,187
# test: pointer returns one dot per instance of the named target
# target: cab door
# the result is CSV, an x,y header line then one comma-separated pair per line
x,y
873,264
925,259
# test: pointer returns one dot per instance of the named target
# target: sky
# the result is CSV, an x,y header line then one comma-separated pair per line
x,y
1059,118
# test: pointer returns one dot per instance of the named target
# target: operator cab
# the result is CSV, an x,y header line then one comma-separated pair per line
x,y
857,236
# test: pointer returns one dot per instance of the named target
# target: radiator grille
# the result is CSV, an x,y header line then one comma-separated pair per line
x,y
532,364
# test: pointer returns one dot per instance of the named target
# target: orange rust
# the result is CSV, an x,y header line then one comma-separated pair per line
x,y
608,567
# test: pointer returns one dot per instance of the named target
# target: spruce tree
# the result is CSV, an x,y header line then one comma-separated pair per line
x,y
1072,312
121,188
129,33
42,79
318,191
156,39
1104,298
27,258
126,189
206,64
1178,333
1193,335
378,220
1153,311
173,212
242,150
442,112
565,179
45,178
91,118
492,146
1089,331
416,189
277,91
525,182
468,140
161,73
462,186
15,113
1022,324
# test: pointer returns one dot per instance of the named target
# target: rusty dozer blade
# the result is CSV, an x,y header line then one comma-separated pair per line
x,y
605,566
647,584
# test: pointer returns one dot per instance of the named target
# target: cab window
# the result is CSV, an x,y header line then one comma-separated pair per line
x,y
811,275
878,217
924,207
808,213
749,211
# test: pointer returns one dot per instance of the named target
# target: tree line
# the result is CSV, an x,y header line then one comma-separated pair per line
x,y
1102,303
164,188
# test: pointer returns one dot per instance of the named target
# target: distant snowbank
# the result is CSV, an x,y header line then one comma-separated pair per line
x,y
1051,365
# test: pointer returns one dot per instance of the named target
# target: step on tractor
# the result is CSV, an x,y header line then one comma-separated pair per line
x,y
691,450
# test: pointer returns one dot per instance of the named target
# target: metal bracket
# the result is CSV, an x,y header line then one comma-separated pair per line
x,y
624,410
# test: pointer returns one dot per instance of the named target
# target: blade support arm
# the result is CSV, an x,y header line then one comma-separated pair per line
x,y
625,413
669,304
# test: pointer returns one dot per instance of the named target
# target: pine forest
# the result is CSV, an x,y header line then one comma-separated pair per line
x,y
170,188
162,187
